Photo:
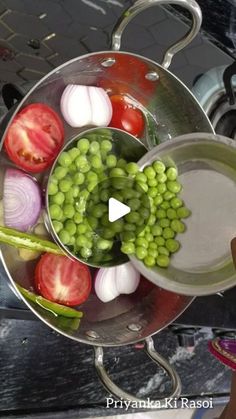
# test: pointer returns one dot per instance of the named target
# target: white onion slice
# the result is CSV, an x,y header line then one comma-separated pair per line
x,y
85,105
111,282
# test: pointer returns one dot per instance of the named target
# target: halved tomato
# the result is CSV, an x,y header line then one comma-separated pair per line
x,y
34,137
62,280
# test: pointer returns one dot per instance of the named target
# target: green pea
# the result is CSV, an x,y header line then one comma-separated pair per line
x,y
158,200
153,252
111,161
64,236
82,228
163,251
55,212
128,248
73,153
152,220
161,213
162,178
83,145
73,169
94,147
152,246
78,218
132,168
141,187
133,217
161,188
106,145
171,214
134,204
69,196
149,261
99,210
141,242
70,227
119,183
160,241
58,226
173,186
116,172
149,172
121,163
65,185
91,186
78,178
152,192
76,191
128,236
141,252
183,212
117,196
149,237
96,162
91,176
82,164
140,177
177,226
168,195
164,222
176,203
163,261
168,233
60,172
52,188
117,226
104,196
64,159
93,222
108,234
129,227
68,211
152,183
156,230
159,167
165,205
82,241
85,252
171,173
172,245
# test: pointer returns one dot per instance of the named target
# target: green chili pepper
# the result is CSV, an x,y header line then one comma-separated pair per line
x,y
27,241
54,308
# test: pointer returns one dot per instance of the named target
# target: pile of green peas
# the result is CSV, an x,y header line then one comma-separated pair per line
x,y
148,231
155,244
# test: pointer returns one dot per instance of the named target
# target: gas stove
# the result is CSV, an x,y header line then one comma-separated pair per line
x,y
216,312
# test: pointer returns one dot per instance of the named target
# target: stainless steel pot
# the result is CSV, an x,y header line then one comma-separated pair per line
x,y
170,110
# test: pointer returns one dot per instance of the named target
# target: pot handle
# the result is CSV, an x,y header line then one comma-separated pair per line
x,y
117,392
140,5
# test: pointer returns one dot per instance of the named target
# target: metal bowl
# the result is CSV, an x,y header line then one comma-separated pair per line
x,y
207,170
124,146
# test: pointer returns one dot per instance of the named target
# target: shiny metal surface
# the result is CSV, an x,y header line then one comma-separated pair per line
x,y
170,110
116,391
124,146
141,5
207,171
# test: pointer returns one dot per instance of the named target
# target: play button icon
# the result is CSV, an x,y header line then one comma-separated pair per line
x,y
117,210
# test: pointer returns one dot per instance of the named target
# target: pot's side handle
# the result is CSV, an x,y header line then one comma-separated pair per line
x,y
141,5
117,392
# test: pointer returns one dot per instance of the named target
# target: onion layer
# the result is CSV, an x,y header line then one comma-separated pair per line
x,y
86,105
21,200
111,282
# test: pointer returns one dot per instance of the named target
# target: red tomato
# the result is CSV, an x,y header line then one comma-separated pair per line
x,y
125,116
62,280
34,137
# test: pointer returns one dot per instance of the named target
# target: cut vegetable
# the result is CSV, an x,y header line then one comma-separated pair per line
x,y
125,116
34,137
85,105
27,241
54,308
111,282
21,200
62,280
